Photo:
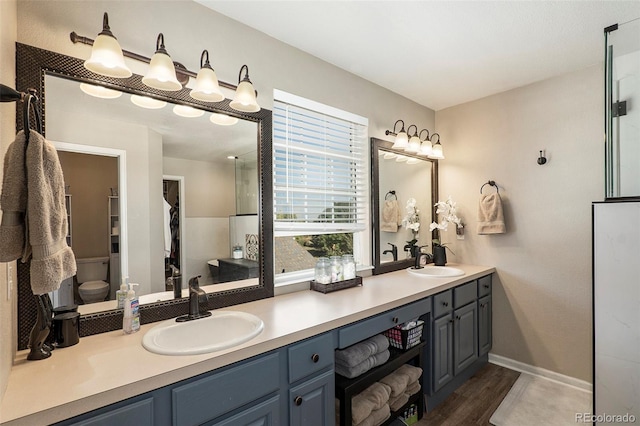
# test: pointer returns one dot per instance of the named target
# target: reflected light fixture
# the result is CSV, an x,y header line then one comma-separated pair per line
x,y
425,148
106,54
402,140
223,119
147,102
389,155
414,160
436,151
414,141
207,87
245,98
100,91
162,72
401,159
187,111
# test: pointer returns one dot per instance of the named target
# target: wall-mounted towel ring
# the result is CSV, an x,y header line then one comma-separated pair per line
x,y
391,194
491,183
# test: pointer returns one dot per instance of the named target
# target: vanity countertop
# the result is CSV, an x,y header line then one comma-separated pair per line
x,y
109,367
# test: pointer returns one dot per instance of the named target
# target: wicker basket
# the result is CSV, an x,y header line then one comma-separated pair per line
x,y
405,339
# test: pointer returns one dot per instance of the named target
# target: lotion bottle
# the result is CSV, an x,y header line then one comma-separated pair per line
x,y
131,319
121,294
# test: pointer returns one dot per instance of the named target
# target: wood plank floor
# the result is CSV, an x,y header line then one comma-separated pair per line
x,y
475,401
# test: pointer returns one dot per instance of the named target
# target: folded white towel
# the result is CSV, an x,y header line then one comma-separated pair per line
x,y
390,216
490,215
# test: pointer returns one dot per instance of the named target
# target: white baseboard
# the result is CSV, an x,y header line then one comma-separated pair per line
x,y
541,372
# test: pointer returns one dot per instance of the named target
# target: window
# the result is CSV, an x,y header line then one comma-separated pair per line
x,y
320,173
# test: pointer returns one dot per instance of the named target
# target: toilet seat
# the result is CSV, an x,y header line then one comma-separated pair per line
x,y
94,285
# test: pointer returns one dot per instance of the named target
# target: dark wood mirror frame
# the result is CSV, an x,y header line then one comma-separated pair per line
x,y
379,144
32,64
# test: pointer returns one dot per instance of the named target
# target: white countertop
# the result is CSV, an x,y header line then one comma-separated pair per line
x,y
109,367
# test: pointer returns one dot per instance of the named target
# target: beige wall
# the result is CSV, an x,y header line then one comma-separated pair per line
x,y
542,291
8,15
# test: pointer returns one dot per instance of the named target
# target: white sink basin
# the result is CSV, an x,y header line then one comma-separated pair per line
x,y
223,329
437,271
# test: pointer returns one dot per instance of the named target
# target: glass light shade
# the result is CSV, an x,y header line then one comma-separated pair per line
x,y
162,73
245,98
401,159
425,148
99,91
187,111
389,155
436,152
106,58
207,88
223,119
402,141
413,145
146,102
413,160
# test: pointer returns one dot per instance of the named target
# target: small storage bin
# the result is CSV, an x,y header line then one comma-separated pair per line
x,y
405,339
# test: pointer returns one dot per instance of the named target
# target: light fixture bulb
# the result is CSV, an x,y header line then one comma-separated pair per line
x,y
413,145
402,141
162,72
106,54
207,87
99,91
436,152
223,119
187,111
147,102
245,97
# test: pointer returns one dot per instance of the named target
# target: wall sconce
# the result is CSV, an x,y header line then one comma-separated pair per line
x,y
402,140
414,141
162,73
207,87
245,98
425,147
106,55
436,149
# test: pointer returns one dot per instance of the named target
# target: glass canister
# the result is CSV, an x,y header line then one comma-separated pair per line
x,y
348,267
323,271
336,269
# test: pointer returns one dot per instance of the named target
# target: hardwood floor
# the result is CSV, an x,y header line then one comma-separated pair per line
x,y
475,401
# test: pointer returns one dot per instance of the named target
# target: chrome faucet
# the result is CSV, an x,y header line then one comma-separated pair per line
x,y
418,257
393,250
195,293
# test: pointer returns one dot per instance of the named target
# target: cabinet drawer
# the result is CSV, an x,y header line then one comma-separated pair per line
x,y
484,286
364,329
312,355
137,413
466,293
210,397
442,303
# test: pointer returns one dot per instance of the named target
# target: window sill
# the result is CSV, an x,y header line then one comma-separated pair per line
x,y
300,281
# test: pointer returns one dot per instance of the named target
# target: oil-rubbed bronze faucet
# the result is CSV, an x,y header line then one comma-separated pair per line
x,y
418,256
195,293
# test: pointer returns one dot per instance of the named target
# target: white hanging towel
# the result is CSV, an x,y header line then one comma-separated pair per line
x,y
167,228
390,216
490,215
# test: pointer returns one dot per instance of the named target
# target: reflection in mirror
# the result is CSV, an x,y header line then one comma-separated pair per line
x,y
401,183
209,227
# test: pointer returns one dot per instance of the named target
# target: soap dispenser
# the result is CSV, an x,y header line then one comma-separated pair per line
x,y
121,294
131,319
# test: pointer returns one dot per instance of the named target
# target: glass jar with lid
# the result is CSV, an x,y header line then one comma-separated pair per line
x,y
336,269
348,267
323,271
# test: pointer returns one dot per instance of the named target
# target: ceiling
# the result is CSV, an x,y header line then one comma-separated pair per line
x,y
441,53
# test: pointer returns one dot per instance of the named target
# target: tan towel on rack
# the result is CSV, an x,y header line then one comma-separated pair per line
x,y
490,215
45,226
372,398
391,216
13,202
377,417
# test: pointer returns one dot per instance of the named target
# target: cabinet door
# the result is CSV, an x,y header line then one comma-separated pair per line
x,y
312,402
264,414
442,352
465,344
484,325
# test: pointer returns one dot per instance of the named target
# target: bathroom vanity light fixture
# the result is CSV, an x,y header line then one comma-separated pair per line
x,y
436,150
245,98
106,55
414,141
402,140
425,147
207,86
162,72
99,91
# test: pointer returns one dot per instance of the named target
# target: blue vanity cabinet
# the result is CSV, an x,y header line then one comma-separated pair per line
x,y
485,336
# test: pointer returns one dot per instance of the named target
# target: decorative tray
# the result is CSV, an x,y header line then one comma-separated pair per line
x,y
338,285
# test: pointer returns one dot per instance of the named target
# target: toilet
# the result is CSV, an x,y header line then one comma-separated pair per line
x,y
91,277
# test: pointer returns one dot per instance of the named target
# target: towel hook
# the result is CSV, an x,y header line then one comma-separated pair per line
x,y
392,193
491,183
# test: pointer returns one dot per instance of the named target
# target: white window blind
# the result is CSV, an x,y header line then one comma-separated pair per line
x,y
319,167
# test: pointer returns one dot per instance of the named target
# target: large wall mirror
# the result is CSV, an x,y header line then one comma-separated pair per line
x,y
151,192
396,178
